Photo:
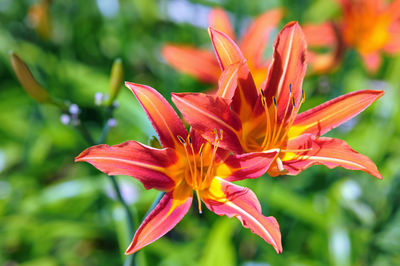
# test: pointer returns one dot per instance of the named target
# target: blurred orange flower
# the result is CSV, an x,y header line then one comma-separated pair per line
x,y
368,26
203,65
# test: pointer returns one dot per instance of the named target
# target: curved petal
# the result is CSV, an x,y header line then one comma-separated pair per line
x,y
133,159
207,113
333,113
225,198
219,20
227,82
168,213
248,165
320,35
198,63
329,152
225,48
257,36
287,70
161,114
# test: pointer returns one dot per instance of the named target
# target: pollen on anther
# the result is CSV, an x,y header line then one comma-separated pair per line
x,y
201,149
181,140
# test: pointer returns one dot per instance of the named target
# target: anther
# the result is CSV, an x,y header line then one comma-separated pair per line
x,y
190,140
262,93
303,96
201,149
274,99
294,103
181,140
216,134
221,134
290,88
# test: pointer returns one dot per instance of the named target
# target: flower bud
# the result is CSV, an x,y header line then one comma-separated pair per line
x,y
116,79
28,82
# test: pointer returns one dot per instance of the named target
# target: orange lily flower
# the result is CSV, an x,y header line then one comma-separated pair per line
x,y
187,163
202,64
368,26
256,120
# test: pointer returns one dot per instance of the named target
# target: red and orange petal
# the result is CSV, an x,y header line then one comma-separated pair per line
x,y
208,112
248,165
219,20
226,50
287,70
196,62
132,158
225,198
333,113
329,152
165,216
165,121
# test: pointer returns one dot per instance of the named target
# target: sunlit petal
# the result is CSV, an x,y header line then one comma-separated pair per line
x,y
329,152
161,114
133,159
169,211
225,198
333,113
219,20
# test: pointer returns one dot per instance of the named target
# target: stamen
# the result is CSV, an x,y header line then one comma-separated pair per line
x,y
199,201
201,149
280,165
208,177
194,174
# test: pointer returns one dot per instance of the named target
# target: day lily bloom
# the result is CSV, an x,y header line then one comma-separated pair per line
x,y
257,120
202,64
368,26
187,163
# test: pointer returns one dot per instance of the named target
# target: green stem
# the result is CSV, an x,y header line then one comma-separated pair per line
x,y
130,260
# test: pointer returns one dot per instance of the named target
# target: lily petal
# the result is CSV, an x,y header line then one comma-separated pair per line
x,y
248,165
168,213
132,158
329,152
219,20
225,48
287,70
161,114
225,198
257,36
227,82
320,35
333,113
198,63
206,112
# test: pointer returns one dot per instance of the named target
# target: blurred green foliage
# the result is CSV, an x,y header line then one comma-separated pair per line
x,y
55,212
